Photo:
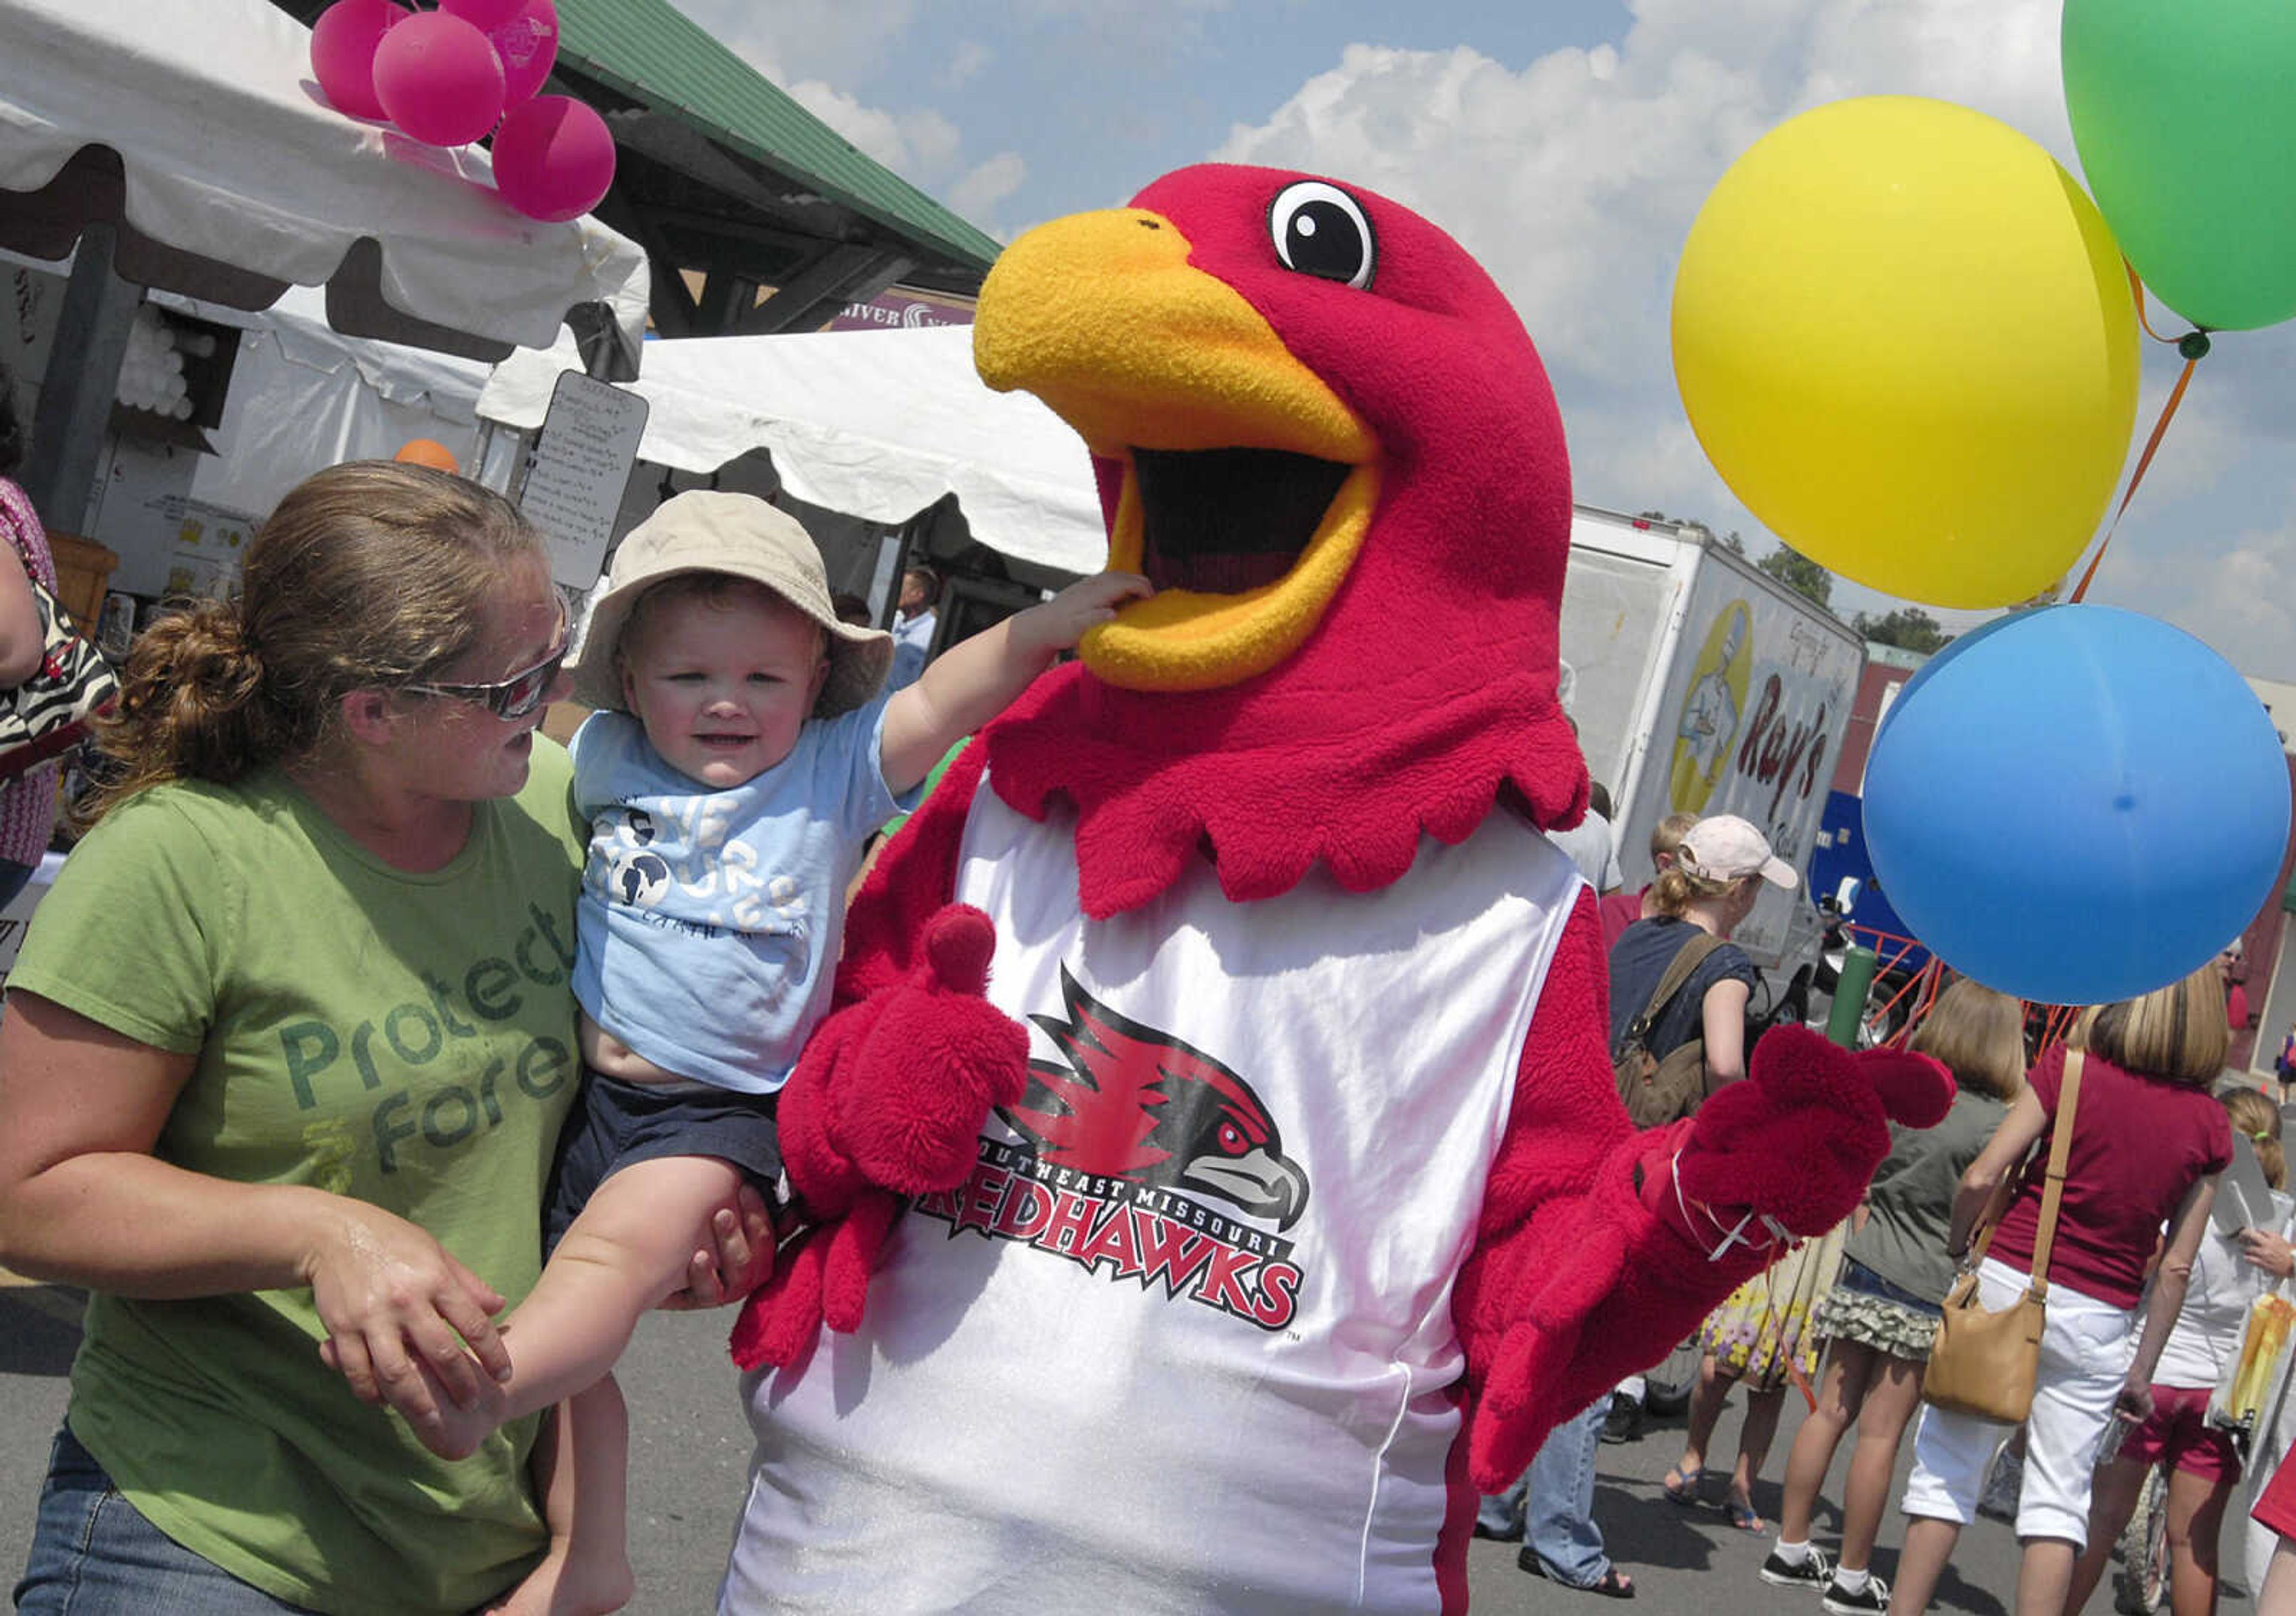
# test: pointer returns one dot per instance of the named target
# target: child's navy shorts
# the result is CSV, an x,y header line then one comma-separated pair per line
x,y
618,1123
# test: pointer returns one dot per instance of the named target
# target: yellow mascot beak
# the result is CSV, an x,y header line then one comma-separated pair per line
x,y
1168,372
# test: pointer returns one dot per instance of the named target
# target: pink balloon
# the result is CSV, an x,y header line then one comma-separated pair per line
x,y
342,52
554,158
528,46
484,15
439,79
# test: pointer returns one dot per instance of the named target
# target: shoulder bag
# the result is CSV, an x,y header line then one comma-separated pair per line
x,y
1984,1364
50,712
1658,1091
2257,1377
2250,1388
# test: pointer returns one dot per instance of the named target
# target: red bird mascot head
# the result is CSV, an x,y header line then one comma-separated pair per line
x,y
1324,435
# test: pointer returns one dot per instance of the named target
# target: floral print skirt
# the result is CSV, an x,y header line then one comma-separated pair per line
x,y
1767,1324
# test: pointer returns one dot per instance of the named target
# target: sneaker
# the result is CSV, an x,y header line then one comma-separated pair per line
x,y
1624,1422
1875,1596
1814,1572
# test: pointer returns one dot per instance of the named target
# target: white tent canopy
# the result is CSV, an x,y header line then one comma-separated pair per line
x,y
879,424
232,177
304,397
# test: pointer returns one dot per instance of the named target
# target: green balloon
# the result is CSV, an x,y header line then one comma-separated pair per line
x,y
2185,112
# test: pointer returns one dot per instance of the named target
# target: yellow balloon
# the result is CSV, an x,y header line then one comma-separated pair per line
x,y
1906,339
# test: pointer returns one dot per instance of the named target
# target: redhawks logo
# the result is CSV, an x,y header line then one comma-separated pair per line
x,y
1119,1143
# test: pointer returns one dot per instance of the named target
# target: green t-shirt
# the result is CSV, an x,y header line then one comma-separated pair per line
x,y
407,1039
931,783
1911,1200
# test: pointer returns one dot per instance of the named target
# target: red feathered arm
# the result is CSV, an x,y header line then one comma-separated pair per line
x,y
890,1092
914,877
1591,1261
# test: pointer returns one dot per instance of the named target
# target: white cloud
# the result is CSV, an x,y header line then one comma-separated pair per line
x,y
977,194
970,61
2230,590
1120,15
810,48
832,40
921,146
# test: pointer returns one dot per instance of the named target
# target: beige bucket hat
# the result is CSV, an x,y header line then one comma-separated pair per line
x,y
744,537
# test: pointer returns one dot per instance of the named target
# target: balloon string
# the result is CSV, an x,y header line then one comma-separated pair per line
x,y
2136,288
2167,413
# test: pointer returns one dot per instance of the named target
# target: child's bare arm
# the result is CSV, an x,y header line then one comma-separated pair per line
x,y
975,679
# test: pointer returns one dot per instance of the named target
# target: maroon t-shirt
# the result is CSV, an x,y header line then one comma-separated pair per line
x,y
1617,912
2138,1144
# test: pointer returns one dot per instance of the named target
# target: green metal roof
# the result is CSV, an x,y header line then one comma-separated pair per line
x,y
655,54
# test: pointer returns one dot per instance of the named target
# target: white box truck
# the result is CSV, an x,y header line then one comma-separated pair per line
x,y
1701,684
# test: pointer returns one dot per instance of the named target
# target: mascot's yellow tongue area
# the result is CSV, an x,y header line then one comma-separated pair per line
x,y
1101,317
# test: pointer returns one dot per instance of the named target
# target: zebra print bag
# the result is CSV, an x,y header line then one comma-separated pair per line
x,y
50,712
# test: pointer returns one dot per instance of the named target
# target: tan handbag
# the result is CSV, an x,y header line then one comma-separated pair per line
x,y
1982,1362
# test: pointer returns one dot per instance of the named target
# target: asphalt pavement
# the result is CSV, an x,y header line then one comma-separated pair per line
x,y
690,1447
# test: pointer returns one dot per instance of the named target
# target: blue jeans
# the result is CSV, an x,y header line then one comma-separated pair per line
x,y
1860,1280
14,878
1552,1505
94,1554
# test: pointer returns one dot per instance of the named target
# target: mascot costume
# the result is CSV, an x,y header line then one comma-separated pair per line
x,y
1230,1040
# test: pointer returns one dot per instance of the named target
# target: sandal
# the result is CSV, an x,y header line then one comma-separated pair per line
x,y
1613,1583
1742,1514
1682,1485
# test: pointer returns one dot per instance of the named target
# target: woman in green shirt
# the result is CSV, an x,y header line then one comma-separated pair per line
x,y
286,1051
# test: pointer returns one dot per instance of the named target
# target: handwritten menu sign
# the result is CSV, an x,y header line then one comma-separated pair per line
x,y
589,438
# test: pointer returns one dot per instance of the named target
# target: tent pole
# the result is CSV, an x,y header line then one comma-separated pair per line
x,y
75,407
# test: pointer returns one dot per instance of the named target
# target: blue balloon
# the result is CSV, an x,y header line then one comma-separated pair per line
x,y
2076,805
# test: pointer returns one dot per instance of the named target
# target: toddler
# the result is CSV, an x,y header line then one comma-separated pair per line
x,y
741,755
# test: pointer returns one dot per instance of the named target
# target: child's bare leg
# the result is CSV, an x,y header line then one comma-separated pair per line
x,y
580,1467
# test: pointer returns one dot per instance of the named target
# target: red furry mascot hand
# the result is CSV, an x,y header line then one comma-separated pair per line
x,y
1796,1143
888,1100
1800,1141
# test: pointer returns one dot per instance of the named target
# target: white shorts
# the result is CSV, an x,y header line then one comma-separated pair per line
x,y
2087,1345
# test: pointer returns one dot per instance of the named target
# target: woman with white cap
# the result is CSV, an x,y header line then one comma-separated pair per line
x,y
1719,872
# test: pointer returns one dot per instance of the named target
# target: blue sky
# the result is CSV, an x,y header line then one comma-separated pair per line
x,y
1568,144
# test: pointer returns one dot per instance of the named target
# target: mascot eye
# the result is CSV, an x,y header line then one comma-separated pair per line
x,y
1320,230
1231,1139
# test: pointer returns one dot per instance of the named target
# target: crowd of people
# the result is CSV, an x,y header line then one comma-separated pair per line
x,y
2149,1299
416,999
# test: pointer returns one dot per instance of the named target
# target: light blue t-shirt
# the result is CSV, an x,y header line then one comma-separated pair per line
x,y
709,921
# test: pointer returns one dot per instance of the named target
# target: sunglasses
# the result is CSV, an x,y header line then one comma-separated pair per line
x,y
511,698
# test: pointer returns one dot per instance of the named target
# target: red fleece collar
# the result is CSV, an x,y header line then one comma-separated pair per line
x,y
1265,783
